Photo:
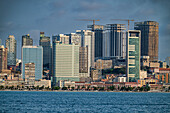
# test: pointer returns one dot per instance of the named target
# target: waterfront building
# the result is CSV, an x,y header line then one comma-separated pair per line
x,y
98,30
3,58
11,45
167,61
29,74
65,62
33,54
87,40
114,41
162,64
45,42
43,83
133,55
26,40
149,39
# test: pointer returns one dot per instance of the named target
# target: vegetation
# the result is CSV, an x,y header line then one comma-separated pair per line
x,y
114,71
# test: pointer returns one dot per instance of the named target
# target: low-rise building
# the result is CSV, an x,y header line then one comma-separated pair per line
x,y
43,82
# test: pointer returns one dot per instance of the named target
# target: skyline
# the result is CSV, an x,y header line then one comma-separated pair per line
x,y
59,17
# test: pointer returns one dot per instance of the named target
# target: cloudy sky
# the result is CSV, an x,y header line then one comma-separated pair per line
x,y
20,17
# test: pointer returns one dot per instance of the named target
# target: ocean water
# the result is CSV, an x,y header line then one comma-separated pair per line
x,y
83,102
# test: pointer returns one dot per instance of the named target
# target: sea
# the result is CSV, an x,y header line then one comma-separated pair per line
x,y
83,102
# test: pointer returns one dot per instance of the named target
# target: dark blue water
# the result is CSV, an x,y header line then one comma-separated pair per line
x,y
84,102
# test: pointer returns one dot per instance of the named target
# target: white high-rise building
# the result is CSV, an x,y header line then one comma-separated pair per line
x,y
87,40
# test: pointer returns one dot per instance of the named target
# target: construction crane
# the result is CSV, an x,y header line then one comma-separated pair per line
x,y
124,20
88,20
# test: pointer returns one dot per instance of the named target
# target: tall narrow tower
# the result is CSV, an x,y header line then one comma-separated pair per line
x,y
133,55
11,45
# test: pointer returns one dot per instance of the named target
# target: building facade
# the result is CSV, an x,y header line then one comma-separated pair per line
x,y
30,74
65,62
33,54
133,55
98,30
88,40
114,41
3,58
149,39
26,40
45,42
64,39
11,45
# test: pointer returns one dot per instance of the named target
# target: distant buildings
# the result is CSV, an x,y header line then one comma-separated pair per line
x,y
64,39
11,46
75,38
26,40
133,55
45,42
33,54
103,64
114,41
149,39
3,58
65,62
167,61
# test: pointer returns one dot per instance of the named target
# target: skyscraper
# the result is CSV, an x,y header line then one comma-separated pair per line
x,y
114,41
3,58
149,39
75,38
65,62
33,54
45,42
11,45
64,39
87,40
133,55
98,30
26,40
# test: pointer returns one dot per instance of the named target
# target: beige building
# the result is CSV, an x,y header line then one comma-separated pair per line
x,y
96,74
103,64
144,61
65,83
30,74
143,74
3,58
43,82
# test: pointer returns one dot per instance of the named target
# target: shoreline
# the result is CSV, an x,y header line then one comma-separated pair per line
x,y
87,91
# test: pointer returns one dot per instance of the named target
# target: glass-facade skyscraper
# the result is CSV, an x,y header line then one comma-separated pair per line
x,y
133,55
11,45
33,54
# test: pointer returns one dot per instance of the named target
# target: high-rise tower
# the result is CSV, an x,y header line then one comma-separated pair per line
x,y
149,39
11,45
114,41
133,55
26,40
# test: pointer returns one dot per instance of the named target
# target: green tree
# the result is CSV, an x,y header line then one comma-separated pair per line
x,y
141,89
112,88
64,88
56,88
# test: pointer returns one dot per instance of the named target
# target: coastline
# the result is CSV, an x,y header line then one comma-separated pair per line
x,y
87,91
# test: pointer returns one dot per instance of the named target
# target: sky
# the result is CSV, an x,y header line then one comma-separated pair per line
x,y
21,17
